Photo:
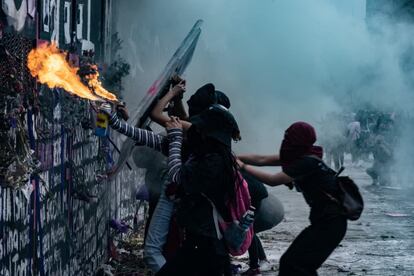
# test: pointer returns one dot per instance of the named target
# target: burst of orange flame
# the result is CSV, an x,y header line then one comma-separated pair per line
x,y
95,83
49,65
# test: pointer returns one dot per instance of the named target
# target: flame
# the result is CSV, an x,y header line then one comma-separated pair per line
x,y
95,83
49,65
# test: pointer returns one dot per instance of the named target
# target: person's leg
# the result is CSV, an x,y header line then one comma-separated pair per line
x,y
341,158
384,173
329,158
312,247
197,257
260,250
152,204
212,263
184,262
254,252
372,172
157,234
336,157
254,246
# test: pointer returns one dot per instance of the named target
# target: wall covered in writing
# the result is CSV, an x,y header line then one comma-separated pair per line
x,y
55,201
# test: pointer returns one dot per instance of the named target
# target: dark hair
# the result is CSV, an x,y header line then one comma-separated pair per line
x,y
231,168
200,145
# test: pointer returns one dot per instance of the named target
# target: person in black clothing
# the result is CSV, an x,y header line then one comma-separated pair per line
x,y
208,174
381,142
301,165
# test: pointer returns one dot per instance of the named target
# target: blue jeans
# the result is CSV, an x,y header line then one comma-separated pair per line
x,y
158,232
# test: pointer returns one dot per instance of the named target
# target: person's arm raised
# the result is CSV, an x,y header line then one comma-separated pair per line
x,y
141,136
157,113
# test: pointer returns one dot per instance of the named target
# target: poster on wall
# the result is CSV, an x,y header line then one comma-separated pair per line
x,y
19,16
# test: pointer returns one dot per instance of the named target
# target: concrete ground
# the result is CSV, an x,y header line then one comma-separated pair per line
x,y
381,242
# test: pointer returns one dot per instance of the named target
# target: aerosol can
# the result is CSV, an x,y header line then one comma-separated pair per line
x,y
102,121
248,218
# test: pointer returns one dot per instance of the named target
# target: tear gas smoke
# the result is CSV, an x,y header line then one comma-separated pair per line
x,y
279,61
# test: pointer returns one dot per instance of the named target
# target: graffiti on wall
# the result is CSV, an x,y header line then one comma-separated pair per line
x,y
58,18
72,208
58,225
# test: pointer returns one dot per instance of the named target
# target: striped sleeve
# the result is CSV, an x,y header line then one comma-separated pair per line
x,y
141,136
175,137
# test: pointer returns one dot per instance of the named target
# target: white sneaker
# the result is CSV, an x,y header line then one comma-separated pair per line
x,y
265,265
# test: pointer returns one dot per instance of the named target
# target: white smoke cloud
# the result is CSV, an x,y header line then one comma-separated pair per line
x,y
278,60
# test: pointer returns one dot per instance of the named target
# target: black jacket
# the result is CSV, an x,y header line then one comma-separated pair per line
x,y
314,178
201,177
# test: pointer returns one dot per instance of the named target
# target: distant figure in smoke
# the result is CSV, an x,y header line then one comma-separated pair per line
x,y
354,135
301,164
381,146
334,139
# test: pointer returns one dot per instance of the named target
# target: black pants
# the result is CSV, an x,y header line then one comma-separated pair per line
x,y
256,252
198,257
312,247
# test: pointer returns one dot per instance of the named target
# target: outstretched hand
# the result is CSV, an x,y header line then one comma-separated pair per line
x,y
240,163
174,122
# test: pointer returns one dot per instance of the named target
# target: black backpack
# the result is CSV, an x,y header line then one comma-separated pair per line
x,y
350,198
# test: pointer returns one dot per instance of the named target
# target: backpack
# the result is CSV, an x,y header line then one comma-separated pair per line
x,y
350,198
236,239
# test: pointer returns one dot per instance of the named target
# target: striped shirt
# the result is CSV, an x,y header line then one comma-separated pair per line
x,y
141,136
175,137
147,138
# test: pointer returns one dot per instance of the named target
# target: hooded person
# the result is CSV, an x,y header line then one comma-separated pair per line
x,y
208,174
301,164
163,236
204,97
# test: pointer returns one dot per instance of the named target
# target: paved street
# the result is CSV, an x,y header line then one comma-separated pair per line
x,y
380,243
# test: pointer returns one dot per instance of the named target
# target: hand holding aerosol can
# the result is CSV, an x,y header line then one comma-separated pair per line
x,y
248,218
105,110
